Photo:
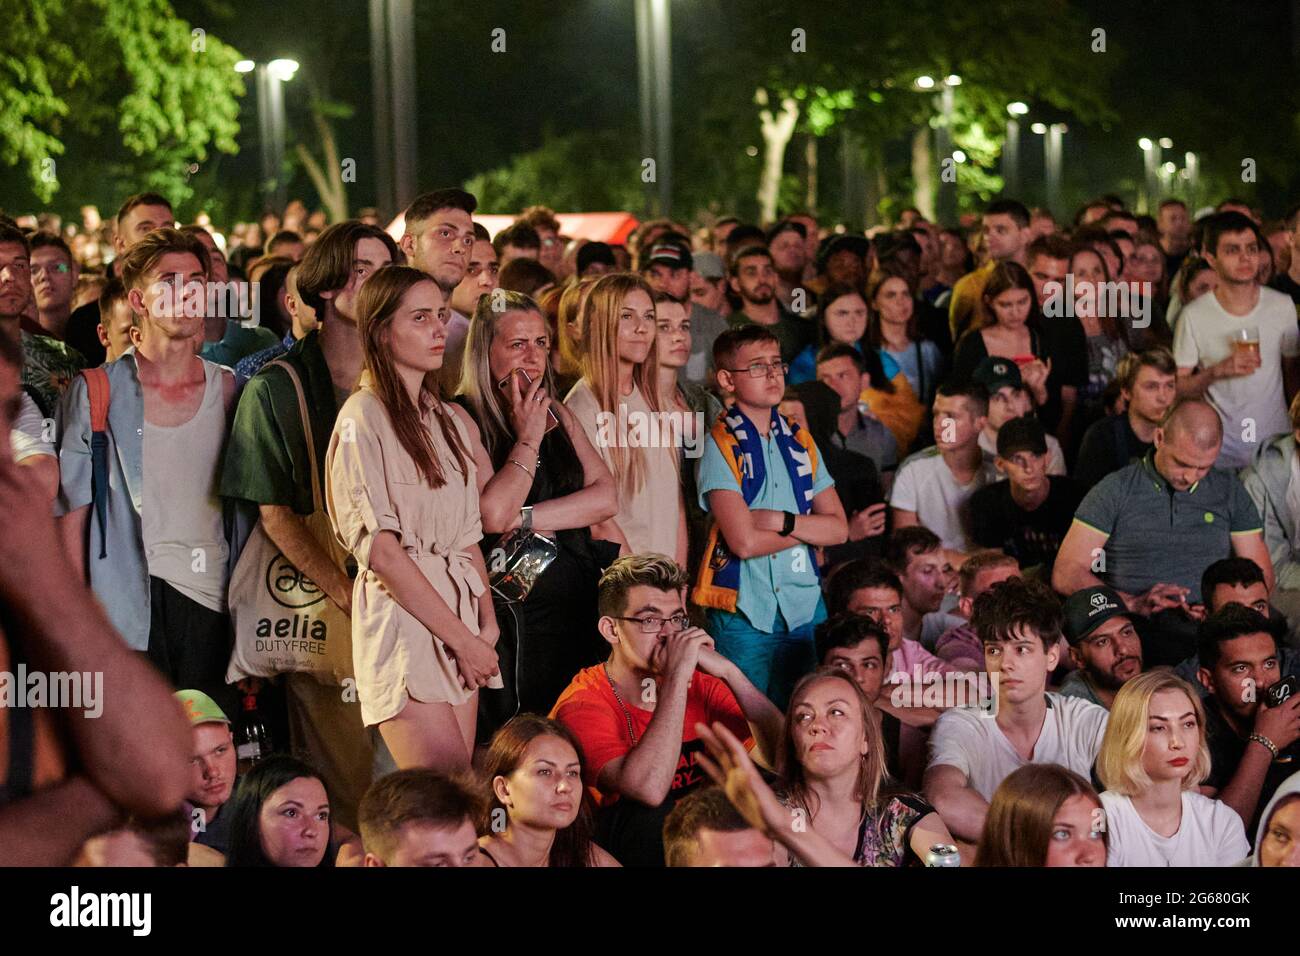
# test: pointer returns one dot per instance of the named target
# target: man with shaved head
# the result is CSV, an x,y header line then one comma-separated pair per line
x,y
1150,530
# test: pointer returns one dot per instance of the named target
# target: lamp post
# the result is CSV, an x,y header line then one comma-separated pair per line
x,y
1192,167
392,80
271,78
1150,169
1052,164
1011,149
946,201
654,84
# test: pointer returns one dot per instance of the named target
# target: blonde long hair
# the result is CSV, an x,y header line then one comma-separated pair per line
x,y
1119,764
599,363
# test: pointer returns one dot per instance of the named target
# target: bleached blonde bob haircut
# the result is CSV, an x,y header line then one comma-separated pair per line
x,y
1119,764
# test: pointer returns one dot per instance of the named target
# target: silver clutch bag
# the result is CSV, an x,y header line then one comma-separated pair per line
x,y
519,559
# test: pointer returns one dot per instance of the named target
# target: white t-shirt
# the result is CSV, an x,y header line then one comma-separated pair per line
x,y
1055,457
1210,834
975,745
925,485
27,438
1204,337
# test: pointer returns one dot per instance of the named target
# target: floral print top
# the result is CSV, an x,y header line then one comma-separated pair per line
x,y
883,838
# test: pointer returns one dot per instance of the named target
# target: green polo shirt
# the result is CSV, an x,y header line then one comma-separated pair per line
x,y
1157,534
266,456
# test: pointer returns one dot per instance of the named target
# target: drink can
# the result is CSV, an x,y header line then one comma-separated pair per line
x,y
943,854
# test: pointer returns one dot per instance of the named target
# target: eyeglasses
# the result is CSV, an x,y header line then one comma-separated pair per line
x,y
62,268
653,625
762,369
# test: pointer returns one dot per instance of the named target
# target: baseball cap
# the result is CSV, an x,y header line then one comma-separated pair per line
x,y
200,708
995,372
709,265
859,245
591,252
1022,434
671,254
1089,608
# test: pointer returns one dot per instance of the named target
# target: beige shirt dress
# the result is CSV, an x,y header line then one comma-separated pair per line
x,y
373,486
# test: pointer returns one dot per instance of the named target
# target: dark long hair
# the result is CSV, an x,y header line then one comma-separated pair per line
x,y
255,788
870,357
1005,276
377,303
572,846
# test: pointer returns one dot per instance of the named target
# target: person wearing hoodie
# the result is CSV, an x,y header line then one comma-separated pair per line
x,y
1273,483
1277,842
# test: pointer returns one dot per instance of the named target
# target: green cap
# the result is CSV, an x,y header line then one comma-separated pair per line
x,y
200,708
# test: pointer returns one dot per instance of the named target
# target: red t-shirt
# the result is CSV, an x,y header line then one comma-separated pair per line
x,y
589,708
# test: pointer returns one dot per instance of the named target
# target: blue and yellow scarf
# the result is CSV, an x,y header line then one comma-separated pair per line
x,y
719,577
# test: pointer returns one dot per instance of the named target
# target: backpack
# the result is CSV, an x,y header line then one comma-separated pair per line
x,y
97,390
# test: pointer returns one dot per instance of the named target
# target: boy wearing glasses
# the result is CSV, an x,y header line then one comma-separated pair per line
x,y
772,502
635,715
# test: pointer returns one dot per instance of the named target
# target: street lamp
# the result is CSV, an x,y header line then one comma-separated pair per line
x,y
925,82
946,204
655,83
1052,163
1011,150
270,122
1166,142
1150,170
1192,167
392,84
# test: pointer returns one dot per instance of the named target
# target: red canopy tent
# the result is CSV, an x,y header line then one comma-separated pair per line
x,y
611,227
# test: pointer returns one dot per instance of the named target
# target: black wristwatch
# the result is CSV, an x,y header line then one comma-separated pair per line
x,y
787,528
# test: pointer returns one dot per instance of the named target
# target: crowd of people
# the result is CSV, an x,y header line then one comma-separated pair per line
x,y
741,546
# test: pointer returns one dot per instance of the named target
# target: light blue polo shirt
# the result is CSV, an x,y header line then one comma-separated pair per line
x,y
785,581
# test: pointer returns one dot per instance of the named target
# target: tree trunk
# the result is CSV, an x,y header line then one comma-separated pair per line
x,y
327,179
777,129
810,162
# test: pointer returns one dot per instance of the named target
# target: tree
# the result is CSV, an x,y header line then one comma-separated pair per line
x,y
327,176
842,71
169,92
585,170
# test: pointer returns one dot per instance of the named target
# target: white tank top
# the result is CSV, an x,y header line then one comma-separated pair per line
x,y
184,537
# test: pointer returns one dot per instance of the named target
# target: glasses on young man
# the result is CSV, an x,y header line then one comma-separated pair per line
x,y
653,625
62,268
762,369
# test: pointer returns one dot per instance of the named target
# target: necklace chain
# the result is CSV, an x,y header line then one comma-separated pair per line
x,y
627,714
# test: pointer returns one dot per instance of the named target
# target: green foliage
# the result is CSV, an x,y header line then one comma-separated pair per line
x,y
584,170
171,94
